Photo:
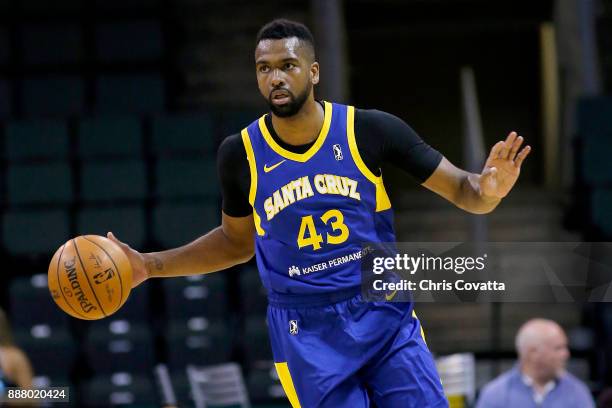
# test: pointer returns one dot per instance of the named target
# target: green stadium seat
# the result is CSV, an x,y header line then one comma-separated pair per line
x,y
41,183
263,383
53,96
114,345
176,224
253,294
113,180
129,41
142,94
257,347
183,134
182,388
51,350
36,140
45,381
233,121
126,222
24,293
197,295
33,233
602,210
594,114
186,178
118,389
197,341
115,136
136,309
6,103
595,161
51,43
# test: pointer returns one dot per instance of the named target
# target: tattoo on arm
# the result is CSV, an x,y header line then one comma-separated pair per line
x,y
154,264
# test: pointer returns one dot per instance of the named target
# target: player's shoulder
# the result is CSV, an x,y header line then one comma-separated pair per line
x,y
231,148
375,118
231,142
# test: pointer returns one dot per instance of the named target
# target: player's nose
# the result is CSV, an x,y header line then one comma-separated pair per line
x,y
277,79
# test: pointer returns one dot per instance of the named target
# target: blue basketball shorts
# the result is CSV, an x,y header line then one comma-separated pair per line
x,y
353,354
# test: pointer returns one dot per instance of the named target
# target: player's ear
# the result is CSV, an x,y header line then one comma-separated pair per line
x,y
314,73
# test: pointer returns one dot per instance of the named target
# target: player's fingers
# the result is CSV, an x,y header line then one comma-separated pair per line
x,y
515,146
521,156
496,149
113,238
503,154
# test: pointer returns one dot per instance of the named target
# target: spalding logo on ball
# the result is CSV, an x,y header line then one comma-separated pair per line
x,y
90,277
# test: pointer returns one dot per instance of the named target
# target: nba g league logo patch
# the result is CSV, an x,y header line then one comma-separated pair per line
x,y
293,327
338,152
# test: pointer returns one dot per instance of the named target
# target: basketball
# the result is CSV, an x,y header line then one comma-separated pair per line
x,y
90,277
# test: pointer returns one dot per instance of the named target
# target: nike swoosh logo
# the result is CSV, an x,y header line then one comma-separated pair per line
x,y
391,296
269,169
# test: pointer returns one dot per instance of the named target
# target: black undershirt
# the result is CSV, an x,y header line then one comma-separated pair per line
x,y
380,136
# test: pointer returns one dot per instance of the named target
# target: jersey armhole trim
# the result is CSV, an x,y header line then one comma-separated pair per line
x,y
382,199
246,141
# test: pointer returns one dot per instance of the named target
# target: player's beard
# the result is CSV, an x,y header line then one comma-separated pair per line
x,y
293,106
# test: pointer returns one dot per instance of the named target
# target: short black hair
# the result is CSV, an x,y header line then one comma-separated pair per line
x,y
283,28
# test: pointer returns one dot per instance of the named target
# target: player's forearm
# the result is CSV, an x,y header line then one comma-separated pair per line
x,y
470,198
209,253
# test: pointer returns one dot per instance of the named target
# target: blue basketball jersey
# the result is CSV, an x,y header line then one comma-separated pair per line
x,y
314,211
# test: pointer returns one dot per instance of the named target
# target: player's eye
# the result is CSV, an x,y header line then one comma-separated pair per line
x,y
289,66
264,68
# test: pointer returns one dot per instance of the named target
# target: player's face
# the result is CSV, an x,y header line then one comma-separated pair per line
x,y
285,74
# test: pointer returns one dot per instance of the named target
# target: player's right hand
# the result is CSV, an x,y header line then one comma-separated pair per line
x,y
139,266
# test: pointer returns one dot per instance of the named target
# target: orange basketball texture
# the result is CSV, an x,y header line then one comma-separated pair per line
x,y
90,277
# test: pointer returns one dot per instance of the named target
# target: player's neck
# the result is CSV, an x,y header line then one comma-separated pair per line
x,y
303,127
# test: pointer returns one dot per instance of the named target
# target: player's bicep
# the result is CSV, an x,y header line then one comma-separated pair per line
x,y
240,231
234,177
446,181
399,144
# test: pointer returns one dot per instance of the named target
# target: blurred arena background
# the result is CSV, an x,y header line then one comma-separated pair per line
x,y
111,112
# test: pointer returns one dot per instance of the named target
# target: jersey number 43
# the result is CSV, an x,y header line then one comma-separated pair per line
x,y
308,235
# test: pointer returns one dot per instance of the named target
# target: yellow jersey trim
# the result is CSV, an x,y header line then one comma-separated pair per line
x,y
299,157
382,199
422,331
246,140
285,378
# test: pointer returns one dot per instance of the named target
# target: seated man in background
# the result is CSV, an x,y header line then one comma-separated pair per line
x,y
539,379
15,368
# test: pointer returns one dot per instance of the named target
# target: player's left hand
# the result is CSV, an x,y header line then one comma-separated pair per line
x,y
503,167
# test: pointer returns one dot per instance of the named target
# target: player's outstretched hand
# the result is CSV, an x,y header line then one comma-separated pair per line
x,y
503,166
139,267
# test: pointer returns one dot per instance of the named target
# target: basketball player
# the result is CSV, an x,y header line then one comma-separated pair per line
x,y
302,187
